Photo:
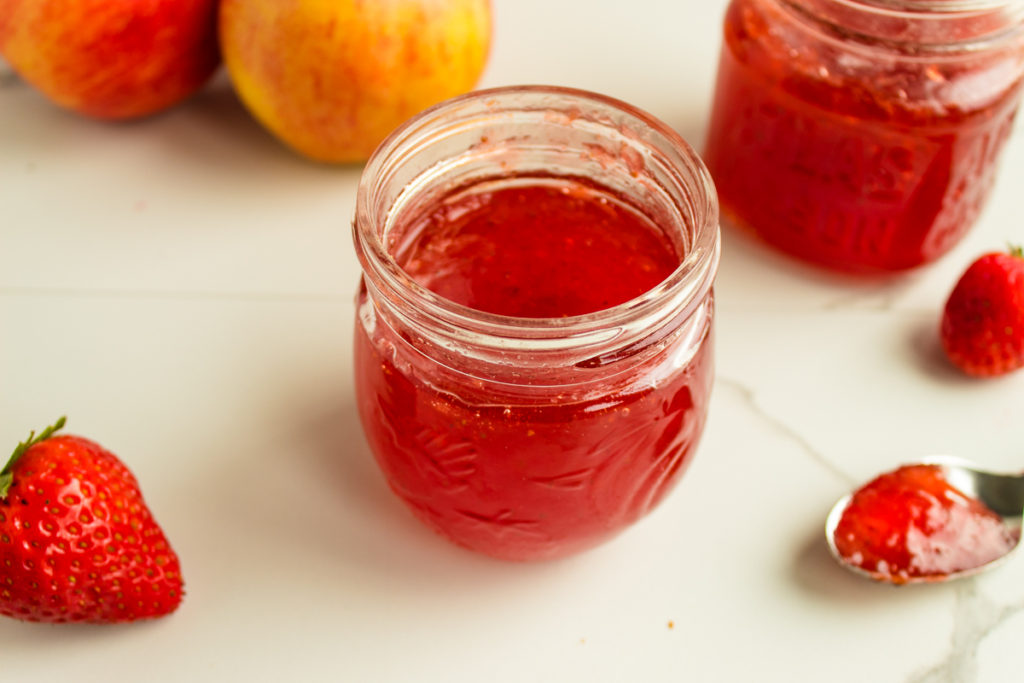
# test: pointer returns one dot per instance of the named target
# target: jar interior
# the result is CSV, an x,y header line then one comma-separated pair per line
x,y
532,145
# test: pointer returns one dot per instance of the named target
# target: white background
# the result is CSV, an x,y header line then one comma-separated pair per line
x,y
182,288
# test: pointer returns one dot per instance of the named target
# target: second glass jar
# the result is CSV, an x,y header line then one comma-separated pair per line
x,y
863,135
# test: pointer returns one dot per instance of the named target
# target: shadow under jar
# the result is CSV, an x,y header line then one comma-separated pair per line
x,y
863,135
533,354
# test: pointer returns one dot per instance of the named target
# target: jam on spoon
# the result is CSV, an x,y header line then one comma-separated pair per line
x,y
927,522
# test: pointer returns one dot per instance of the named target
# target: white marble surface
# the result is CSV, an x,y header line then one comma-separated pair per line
x,y
182,288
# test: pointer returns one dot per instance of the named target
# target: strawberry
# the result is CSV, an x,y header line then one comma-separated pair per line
x,y
983,323
77,542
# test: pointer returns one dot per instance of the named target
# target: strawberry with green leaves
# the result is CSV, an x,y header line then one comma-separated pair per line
x,y
983,323
77,542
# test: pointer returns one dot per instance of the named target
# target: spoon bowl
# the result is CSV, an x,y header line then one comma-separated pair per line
x,y
1002,493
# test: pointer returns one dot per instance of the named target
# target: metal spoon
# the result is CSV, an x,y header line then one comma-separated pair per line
x,y
1001,492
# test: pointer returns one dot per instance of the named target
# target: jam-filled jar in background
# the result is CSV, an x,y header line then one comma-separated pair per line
x,y
863,135
533,344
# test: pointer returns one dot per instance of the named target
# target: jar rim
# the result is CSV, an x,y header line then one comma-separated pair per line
x,y
933,7
685,286
993,23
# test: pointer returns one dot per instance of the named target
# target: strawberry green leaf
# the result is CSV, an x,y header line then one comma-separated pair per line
x,y
6,475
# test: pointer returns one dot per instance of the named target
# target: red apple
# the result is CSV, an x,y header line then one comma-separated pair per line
x,y
331,78
112,59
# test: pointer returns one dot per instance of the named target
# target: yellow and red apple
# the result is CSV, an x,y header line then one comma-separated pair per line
x,y
331,78
111,59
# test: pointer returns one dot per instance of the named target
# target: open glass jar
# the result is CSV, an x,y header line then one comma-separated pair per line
x,y
533,437
863,135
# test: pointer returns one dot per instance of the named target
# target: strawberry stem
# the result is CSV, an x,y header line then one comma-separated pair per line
x,y
1016,250
6,474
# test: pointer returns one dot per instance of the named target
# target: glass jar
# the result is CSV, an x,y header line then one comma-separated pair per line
x,y
533,438
863,135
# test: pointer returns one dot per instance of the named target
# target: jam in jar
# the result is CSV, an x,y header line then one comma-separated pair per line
x,y
533,354
863,135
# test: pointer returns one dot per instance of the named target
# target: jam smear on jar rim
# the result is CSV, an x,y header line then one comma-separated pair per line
x,y
911,523
852,156
532,473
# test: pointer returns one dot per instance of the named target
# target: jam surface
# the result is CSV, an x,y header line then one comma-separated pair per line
x,y
912,523
532,471
847,157
536,251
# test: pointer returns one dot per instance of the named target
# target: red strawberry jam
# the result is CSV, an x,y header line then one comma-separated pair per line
x,y
858,147
911,523
536,251
532,468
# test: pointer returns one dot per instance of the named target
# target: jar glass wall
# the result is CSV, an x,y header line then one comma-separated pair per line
x,y
533,437
863,135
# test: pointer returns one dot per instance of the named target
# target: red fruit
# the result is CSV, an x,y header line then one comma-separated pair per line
x,y
983,324
77,542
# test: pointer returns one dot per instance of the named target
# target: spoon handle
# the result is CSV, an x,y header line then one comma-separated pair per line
x,y
1002,492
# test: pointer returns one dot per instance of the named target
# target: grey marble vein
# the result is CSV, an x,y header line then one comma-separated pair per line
x,y
880,298
749,398
974,617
